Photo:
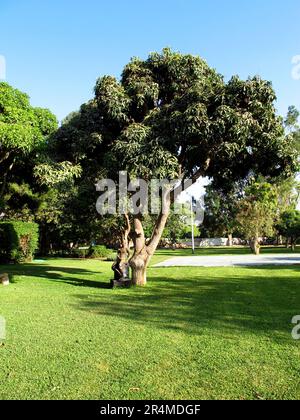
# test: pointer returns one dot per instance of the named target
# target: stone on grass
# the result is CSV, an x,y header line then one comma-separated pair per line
x,y
4,279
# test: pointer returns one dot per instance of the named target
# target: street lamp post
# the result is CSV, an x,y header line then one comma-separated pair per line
x,y
192,223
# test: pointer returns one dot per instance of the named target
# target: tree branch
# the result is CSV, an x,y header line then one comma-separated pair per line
x,y
138,234
160,223
4,156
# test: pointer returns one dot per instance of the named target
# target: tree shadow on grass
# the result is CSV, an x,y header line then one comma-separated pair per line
x,y
245,301
74,276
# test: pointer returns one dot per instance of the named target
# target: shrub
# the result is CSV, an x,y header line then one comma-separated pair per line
x,y
99,251
111,257
79,253
18,241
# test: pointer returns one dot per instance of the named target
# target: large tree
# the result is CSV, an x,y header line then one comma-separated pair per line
x,y
24,131
289,226
292,125
258,212
221,208
172,116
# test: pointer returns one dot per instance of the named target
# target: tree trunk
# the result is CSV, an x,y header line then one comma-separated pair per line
x,y
44,243
142,252
139,264
5,179
254,245
293,244
121,266
230,240
4,156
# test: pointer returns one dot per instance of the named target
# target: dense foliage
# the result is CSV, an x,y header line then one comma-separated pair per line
x,y
289,226
24,135
257,212
293,127
221,209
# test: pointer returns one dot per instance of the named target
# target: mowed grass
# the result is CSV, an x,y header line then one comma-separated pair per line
x,y
192,333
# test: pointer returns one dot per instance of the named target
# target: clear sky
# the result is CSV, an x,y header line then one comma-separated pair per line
x,y
56,49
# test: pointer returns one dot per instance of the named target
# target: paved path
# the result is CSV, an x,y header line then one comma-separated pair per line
x,y
232,260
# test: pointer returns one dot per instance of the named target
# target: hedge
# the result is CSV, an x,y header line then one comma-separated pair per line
x,y
79,253
18,241
99,251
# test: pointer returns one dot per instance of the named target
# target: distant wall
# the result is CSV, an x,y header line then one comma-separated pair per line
x,y
202,243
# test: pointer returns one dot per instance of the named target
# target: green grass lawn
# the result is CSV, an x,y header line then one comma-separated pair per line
x,y
192,333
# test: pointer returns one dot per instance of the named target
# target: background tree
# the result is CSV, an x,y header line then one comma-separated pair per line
x,y
172,116
258,212
178,227
289,226
221,209
23,133
292,125
32,186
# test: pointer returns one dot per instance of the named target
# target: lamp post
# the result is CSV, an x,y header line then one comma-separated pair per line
x,y
192,223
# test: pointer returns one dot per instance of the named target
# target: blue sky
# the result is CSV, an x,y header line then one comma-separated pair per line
x,y
55,50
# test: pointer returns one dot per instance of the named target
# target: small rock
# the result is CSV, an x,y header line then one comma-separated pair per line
x,y
4,279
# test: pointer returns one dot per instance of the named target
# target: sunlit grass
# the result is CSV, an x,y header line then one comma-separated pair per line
x,y
192,333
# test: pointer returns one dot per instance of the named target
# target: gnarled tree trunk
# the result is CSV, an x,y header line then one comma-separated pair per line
x,y
139,264
143,252
121,266
139,260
